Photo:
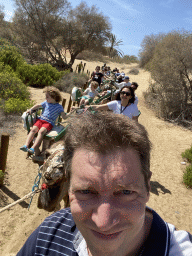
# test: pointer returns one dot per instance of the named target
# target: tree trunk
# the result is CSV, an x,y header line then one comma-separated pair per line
x,y
61,65
185,89
73,57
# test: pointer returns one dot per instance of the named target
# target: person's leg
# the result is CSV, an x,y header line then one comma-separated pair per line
x,y
31,135
82,101
38,141
86,102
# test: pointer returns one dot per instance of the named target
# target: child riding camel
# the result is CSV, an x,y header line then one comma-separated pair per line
x,y
51,110
89,93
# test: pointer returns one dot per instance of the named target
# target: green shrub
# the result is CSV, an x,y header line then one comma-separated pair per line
x,y
188,154
5,68
10,55
25,73
187,177
1,177
134,71
40,75
12,87
14,105
67,82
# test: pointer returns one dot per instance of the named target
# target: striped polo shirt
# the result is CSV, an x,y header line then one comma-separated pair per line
x,y
50,112
59,236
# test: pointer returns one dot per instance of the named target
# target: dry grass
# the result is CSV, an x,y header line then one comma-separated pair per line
x,y
8,123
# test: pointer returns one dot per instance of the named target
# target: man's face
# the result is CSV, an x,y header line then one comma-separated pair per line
x,y
133,87
107,199
97,69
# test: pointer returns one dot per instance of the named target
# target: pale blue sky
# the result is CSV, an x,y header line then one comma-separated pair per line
x,y
132,20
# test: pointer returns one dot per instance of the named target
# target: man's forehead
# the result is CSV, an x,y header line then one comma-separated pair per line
x,y
114,160
108,155
120,169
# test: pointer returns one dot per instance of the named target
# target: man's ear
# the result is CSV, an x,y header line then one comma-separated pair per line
x,y
149,180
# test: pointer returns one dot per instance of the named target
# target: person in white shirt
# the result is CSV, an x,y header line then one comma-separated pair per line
x,y
89,94
120,77
122,84
133,85
124,104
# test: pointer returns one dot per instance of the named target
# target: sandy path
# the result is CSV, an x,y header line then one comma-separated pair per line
x,y
169,197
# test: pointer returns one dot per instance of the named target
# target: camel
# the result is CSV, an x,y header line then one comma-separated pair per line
x,y
54,180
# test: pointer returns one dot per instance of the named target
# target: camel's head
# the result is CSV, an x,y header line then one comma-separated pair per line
x,y
53,168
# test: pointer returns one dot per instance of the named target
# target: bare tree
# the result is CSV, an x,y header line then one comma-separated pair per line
x,y
171,68
147,48
50,28
38,23
86,29
2,14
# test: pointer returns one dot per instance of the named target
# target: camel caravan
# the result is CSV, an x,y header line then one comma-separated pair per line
x,y
105,90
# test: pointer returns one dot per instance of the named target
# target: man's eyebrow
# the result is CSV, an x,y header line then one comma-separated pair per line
x,y
129,185
85,184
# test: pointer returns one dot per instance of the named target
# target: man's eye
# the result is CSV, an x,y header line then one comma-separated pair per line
x,y
124,192
85,192
127,192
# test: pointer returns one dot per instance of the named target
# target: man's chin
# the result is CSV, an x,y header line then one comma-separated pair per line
x,y
105,244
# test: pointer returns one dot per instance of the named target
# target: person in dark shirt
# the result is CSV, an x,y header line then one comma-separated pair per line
x,y
97,75
107,165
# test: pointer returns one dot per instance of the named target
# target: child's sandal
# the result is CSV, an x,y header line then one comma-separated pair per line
x,y
24,148
31,151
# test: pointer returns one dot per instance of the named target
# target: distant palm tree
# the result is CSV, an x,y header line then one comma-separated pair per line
x,y
114,43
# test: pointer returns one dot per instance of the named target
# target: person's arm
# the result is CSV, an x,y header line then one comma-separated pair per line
x,y
103,93
63,115
92,75
37,106
119,76
135,118
80,90
135,113
136,100
118,85
85,92
97,94
99,107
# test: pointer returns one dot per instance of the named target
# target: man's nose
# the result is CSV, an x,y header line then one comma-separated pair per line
x,y
105,216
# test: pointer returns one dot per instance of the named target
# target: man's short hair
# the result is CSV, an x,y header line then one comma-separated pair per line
x,y
104,132
135,84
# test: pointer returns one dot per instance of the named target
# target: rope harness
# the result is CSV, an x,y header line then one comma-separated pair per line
x,y
35,188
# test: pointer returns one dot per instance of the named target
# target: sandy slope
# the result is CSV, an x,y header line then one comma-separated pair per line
x,y
169,197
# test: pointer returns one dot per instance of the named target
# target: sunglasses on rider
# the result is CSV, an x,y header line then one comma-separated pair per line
x,y
127,93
